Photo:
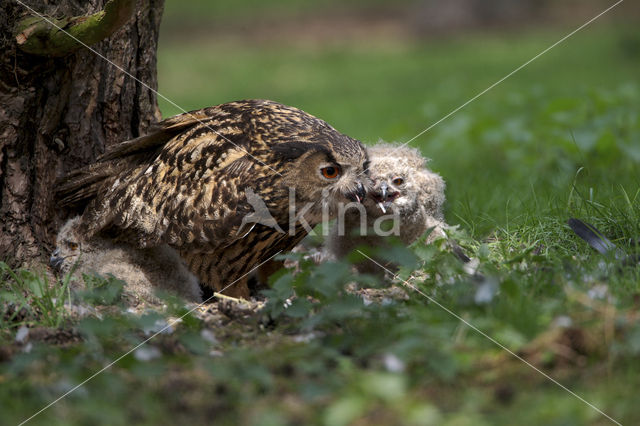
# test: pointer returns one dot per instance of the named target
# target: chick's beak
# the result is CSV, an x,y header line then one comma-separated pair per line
x,y
55,261
383,197
383,190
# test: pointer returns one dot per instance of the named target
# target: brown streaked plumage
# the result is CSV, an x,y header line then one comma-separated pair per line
x,y
186,184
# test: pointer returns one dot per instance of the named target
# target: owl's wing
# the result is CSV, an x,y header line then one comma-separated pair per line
x,y
82,184
193,192
161,133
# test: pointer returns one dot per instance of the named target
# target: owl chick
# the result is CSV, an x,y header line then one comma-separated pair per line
x,y
227,186
405,192
143,270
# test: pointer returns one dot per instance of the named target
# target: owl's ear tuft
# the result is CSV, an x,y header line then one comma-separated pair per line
x,y
293,150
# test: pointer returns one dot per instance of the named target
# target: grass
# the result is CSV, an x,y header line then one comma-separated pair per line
x,y
32,298
557,140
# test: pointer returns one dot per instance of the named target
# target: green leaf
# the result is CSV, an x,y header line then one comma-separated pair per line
x,y
299,308
345,410
194,343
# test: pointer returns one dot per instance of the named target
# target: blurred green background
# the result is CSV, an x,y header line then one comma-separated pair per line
x,y
388,70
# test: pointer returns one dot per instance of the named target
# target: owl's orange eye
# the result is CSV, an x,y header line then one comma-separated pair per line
x,y
398,181
73,246
330,172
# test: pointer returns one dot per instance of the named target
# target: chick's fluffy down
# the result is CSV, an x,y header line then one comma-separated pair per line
x,y
417,203
143,270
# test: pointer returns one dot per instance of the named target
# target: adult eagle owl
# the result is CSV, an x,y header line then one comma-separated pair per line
x,y
195,180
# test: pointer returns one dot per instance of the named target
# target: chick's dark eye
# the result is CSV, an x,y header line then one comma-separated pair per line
x,y
398,181
330,172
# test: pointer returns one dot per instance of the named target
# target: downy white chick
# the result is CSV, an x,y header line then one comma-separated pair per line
x,y
143,270
405,191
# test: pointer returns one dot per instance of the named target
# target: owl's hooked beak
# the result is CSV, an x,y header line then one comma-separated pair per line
x,y
357,195
383,190
383,197
55,261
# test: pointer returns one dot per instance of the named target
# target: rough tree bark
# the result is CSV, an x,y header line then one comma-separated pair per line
x,y
60,112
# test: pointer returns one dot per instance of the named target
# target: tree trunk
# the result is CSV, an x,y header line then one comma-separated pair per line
x,y
59,113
